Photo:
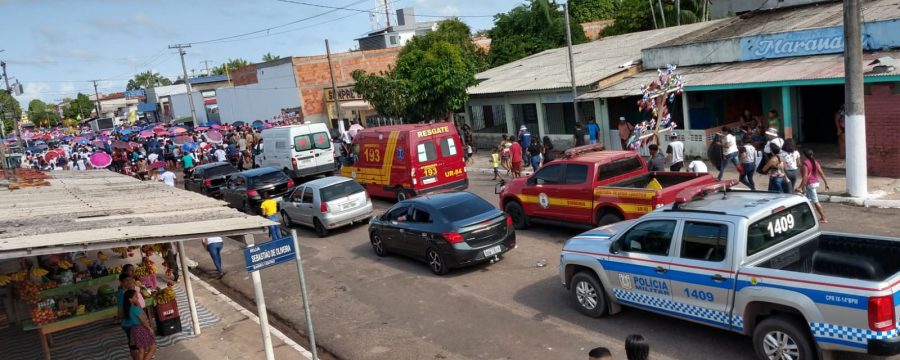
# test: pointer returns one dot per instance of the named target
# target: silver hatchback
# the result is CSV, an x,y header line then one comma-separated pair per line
x,y
326,204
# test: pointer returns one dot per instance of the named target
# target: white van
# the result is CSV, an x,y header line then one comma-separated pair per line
x,y
298,150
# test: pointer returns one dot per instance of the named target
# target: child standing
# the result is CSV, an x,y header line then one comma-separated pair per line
x,y
495,163
469,152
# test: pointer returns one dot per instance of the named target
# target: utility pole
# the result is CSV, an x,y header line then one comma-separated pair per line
x,y
187,81
9,92
387,16
97,97
653,14
678,12
334,93
206,63
854,107
571,63
662,13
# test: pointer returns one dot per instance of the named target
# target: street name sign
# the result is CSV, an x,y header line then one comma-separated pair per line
x,y
270,253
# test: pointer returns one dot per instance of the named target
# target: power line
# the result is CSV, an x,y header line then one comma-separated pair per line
x,y
379,13
271,28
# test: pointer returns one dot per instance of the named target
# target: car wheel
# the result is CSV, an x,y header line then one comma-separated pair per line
x,y
321,231
401,195
436,262
782,337
286,219
519,218
588,294
378,245
608,218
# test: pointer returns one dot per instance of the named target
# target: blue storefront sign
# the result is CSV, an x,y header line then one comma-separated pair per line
x,y
269,253
131,94
830,40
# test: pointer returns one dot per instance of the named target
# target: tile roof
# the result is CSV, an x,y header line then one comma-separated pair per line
x,y
594,61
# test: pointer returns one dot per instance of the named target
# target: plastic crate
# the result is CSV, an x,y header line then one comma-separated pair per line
x,y
167,311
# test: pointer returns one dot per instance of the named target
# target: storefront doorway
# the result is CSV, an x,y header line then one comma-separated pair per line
x,y
818,105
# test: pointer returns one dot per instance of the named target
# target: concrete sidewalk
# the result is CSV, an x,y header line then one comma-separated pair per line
x,y
236,336
883,191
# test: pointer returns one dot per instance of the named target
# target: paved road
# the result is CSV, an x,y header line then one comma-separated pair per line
x,y
365,307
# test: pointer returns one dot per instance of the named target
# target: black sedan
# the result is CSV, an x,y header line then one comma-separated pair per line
x,y
208,179
246,190
447,231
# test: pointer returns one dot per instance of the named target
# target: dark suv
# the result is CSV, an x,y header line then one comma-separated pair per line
x,y
246,190
208,179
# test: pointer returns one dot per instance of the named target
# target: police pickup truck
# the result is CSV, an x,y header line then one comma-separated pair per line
x,y
749,262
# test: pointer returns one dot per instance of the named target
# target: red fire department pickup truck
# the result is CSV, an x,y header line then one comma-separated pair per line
x,y
591,187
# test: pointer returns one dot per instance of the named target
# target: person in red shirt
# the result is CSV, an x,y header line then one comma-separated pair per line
x,y
515,154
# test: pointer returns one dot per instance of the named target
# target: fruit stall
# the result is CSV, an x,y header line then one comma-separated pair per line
x,y
62,244
61,291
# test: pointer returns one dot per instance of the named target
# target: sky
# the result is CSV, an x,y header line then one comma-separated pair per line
x,y
54,47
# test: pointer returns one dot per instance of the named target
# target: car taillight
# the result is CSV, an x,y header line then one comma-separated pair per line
x,y
290,183
252,193
881,313
294,163
207,182
323,208
508,220
452,237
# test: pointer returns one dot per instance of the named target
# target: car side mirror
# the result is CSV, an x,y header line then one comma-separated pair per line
x,y
498,188
615,247
531,181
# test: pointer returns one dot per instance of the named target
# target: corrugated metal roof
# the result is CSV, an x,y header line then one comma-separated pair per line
x,y
788,69
594,61
787,19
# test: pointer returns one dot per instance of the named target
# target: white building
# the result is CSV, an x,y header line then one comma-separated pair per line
x,y
398,35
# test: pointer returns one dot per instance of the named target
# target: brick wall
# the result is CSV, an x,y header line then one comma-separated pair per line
x,y
594,30
882,129
244,75
313,76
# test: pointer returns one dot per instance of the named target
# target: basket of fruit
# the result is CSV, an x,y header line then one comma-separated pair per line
x,y
42,315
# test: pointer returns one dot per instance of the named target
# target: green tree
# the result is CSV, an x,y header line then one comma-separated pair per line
x,y
9,104
635,15
430,79
146,80
269,57
40,114
582,11
529,29
81,106
231,65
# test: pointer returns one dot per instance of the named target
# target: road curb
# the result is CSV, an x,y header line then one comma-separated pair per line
x,y
272,330
835,199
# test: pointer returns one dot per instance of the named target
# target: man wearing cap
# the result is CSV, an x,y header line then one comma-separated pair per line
x,y
772,137
524,137
625,129
675,152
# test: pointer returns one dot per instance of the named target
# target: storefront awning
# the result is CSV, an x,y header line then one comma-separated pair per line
x,y
355,105
798,71
101,209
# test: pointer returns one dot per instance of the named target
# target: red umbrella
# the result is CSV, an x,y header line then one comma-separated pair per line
x,y
134,145
51,155
156,165
160,131
201,128
181,140
145,134
100,160
214,137
177,130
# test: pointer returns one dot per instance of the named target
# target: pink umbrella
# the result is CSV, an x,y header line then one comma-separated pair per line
x,y
98,143
78,138
214,137
177,130
100,160
181,140
202,128
145,134
134,145
160,131
104,132
216,126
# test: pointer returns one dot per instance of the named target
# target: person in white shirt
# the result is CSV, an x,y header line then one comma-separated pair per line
x,y
214,246
152,157
221,156
167,177
80,163
748,162
729,149
697,166
675,152
772,137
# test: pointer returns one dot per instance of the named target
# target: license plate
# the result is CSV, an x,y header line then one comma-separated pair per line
x,y
429,180
349,205
492,251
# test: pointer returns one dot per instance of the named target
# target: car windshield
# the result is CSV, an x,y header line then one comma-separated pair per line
x,y
269,178
219,171
339,190
465,210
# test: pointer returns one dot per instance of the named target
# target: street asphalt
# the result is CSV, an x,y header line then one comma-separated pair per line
x,y
366,307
